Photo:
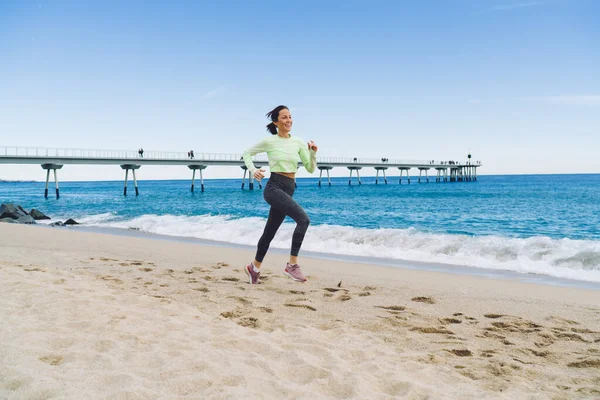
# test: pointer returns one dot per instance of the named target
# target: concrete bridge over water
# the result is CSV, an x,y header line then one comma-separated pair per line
x,y
131,160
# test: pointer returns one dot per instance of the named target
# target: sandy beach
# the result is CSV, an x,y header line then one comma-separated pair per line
x,y
90,315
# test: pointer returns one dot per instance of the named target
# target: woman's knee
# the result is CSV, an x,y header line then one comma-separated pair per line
x,y
303,221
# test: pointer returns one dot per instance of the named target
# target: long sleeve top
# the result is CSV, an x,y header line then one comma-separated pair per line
x,y
283,154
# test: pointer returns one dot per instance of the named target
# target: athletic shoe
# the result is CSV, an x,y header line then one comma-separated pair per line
x,y
293,271
254,276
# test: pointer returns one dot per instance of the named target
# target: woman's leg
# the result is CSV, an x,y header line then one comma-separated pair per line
x,y
274,221
286,205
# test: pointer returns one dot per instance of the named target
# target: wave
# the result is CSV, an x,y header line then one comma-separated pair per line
x,y
562,258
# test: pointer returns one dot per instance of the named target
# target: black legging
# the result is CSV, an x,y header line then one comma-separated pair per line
x,y
278,193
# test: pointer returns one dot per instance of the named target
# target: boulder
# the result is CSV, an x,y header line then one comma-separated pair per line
x,y
25,219
57,223
71,221
37,215
9,220
12,211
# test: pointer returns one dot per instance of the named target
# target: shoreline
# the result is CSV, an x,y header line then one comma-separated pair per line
x,y
454,269
89,315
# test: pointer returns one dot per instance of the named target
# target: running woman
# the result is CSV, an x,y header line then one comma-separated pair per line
x,y
282,149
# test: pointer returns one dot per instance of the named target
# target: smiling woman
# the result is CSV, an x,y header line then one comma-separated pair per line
x,y
283,151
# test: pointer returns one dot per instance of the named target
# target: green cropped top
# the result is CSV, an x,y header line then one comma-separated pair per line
x,y
283,154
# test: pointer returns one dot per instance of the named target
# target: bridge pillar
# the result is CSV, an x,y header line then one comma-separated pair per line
x,y
321,169
131,167
402,169
199,168
250,178
426,169
440,172
354,168
377,175
52,167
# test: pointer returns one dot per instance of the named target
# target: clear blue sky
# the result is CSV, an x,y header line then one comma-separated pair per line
x,y
517,82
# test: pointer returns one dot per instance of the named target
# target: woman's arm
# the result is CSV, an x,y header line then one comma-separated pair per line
x,y
260,147
308,157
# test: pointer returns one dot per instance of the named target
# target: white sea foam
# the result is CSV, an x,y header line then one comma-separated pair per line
x,y
563,258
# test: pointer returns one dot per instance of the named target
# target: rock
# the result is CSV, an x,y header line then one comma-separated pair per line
x,y
25,219
71,221
37,215
11,211
57,223
9,220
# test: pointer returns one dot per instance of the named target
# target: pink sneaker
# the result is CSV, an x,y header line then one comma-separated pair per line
x,y
294,272
254,276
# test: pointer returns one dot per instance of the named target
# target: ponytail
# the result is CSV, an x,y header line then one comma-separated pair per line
x,y
272,128
274,116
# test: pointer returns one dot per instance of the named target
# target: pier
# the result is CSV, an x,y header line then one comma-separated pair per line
x,y
131,160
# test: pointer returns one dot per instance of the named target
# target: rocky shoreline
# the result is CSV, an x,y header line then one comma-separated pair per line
x,y
15,214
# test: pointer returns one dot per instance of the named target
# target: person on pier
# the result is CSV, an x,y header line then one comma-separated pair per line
x,y
283,150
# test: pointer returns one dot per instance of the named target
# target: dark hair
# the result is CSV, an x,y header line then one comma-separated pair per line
x,y
274,116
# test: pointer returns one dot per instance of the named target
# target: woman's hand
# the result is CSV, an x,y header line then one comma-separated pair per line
x,y
259,174
313,146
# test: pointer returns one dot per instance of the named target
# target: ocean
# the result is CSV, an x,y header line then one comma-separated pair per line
x,y
545,225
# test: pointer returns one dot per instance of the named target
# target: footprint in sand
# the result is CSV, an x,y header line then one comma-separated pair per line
x,y
344,297
591,363
145,269
242,300
422,299
234,313
309,307
494,316
447,321
52,359
392,308
230,279
431,329
460,352
488,353
110,279
248,322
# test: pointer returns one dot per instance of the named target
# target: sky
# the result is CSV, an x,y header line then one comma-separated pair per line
x,y
515,82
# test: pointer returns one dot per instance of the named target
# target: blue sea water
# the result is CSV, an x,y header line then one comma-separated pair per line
x,y
541,224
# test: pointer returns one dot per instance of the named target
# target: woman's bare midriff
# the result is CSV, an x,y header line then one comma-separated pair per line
x,y
290,175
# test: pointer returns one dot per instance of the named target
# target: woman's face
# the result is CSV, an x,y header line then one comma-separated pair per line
x,y
284,122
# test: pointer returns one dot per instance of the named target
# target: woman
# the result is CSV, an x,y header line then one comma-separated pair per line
x,y
283,150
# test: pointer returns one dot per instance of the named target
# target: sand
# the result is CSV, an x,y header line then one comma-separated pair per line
x,y
90,315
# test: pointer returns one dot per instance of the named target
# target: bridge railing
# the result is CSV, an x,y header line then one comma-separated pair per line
x,y
119,154
8,151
